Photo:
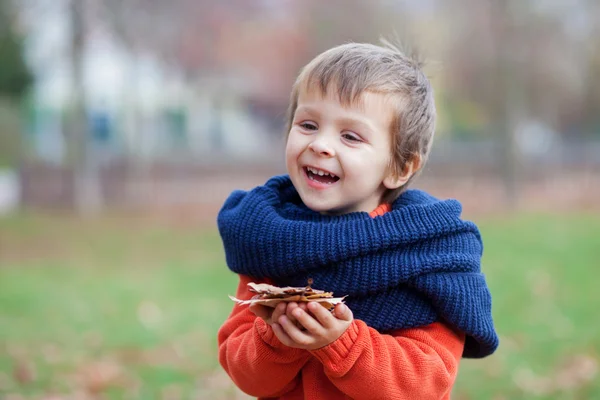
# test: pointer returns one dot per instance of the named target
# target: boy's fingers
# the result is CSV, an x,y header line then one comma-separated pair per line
x,y
307,321
281,306
281,335
291,314
341,311
290,308
289,311
322,314
278,311
295,334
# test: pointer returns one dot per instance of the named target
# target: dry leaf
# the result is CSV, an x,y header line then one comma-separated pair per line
x,y
24,372
99,376
269,295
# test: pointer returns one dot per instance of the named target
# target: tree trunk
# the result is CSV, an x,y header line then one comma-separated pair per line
x,y
87,192
508,96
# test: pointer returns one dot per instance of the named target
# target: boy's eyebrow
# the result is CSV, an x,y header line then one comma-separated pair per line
x,y
363,125
308,110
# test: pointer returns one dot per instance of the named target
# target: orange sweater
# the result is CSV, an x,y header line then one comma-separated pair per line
x,y
417,363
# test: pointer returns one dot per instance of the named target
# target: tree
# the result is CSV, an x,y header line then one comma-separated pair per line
x,y
15,77
87,187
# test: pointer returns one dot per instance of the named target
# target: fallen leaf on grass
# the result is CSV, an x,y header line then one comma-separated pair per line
x,y
99,376
573,373
24,372
218,386
576,372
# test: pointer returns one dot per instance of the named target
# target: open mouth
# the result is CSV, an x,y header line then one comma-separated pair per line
x,y
320,176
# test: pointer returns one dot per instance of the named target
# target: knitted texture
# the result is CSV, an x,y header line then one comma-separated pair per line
x,y
417,264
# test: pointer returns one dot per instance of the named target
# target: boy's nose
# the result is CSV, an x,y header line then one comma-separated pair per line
x,y
321,147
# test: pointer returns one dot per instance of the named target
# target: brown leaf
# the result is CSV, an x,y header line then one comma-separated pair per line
x,y
24,372
270,295
264,288
573,373
98,376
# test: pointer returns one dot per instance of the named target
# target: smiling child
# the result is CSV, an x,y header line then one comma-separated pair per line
x,y
361,124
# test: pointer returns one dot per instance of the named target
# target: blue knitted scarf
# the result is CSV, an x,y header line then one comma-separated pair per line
x,y
416,264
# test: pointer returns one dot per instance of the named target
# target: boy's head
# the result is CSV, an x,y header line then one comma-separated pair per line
x,y
361,124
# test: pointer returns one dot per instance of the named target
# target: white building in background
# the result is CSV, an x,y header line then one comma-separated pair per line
x,y
10,190
137,106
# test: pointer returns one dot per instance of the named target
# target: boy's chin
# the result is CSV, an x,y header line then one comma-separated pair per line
x,y
316,206
323,208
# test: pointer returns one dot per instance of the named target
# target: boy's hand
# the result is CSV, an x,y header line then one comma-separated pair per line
x,y
268,314
321,327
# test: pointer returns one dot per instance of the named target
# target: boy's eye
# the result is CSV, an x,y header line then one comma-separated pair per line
x,y
351,137
310,126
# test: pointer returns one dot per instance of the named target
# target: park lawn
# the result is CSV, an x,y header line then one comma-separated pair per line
x,y
130,309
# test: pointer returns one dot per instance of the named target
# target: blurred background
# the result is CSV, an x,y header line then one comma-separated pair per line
x,y
124,124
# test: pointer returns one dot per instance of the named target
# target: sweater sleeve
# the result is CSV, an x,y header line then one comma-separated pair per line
x,y
418,363
257,362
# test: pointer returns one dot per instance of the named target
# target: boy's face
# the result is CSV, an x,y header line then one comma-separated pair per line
x,y
338,157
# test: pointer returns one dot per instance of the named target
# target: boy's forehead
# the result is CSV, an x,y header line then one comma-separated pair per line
x,y
376,107
312,92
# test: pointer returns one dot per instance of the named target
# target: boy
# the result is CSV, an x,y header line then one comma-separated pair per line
x,y
361,123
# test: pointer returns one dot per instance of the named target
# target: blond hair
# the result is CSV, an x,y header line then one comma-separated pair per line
x,y
355,68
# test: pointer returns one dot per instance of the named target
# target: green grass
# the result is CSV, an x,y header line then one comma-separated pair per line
x,y
130,309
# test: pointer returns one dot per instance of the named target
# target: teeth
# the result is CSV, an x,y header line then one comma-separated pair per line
x,y
319,172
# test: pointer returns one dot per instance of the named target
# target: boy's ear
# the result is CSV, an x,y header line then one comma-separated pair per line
x,y
395,180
